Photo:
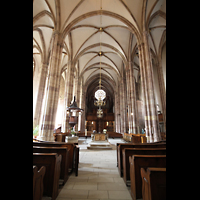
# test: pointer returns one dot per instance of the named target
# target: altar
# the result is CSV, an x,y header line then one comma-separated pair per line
x,y
99,137
99,141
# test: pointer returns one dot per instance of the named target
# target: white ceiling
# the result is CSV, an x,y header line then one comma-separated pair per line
x,y
80,20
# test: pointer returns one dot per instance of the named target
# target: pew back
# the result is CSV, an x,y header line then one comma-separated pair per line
x,y
38,182
142,161
60,151
153,183
70,147
137,151
121,146
51,178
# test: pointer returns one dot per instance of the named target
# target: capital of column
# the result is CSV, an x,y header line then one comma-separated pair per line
x,y
55,32
145,33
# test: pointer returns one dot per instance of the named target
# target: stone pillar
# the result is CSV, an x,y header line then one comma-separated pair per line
x,y
151,117
133,101
155,130
128,100
144,90
68,95
117,111
40,95
162,90
121,91
79,102
83,127
50,101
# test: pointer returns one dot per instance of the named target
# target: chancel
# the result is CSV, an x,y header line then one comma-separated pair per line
x,y
110,56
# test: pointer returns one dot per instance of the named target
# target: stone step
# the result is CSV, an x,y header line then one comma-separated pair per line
x,y
99,147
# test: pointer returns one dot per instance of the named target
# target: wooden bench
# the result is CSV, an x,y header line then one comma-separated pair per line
x,y
72,147
60,137
137,151
135,138
52,162
38,176
76,160
64,162
153,183
121,146
127,137
114,135
142,161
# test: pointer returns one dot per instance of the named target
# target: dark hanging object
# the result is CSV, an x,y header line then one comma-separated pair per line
x,y
73,107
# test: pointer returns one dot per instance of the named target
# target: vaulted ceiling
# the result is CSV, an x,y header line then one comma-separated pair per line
x,y
79,21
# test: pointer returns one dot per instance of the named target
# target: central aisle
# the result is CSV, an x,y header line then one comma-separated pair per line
x,y
98,177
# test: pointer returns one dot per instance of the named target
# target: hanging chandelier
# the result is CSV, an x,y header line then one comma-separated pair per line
x,y
100,94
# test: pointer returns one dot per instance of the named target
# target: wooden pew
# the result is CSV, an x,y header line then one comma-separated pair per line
x,y
121,146
136,138
76,160
60,151
137,151
153,183
52,162
142,161
130,143
38,182
127,137
114,135
70,146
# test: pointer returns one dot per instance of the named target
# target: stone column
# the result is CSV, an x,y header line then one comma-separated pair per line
x,y
162,90
154,130
133,100
40,94
144,89
121,107
83,107
68,95
50,101
128,88
117,111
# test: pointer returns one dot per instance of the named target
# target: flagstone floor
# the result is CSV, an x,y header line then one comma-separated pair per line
x,y
98,177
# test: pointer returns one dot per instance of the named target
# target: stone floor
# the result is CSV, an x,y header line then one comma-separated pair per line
x,y
98,176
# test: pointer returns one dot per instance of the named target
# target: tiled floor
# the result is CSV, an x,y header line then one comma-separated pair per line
x,y
98,176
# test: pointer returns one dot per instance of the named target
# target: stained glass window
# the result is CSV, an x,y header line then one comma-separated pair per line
x,y
100,94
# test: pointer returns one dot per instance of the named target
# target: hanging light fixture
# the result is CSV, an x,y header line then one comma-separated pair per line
x,y
100,94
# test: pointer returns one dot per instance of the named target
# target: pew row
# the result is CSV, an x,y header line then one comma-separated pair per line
x,y
38,176
135,138
142,161
137,151
64,162
121,146
72,148
153,183
52,162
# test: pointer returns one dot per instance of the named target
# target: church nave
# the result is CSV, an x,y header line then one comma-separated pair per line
x,y
98,177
